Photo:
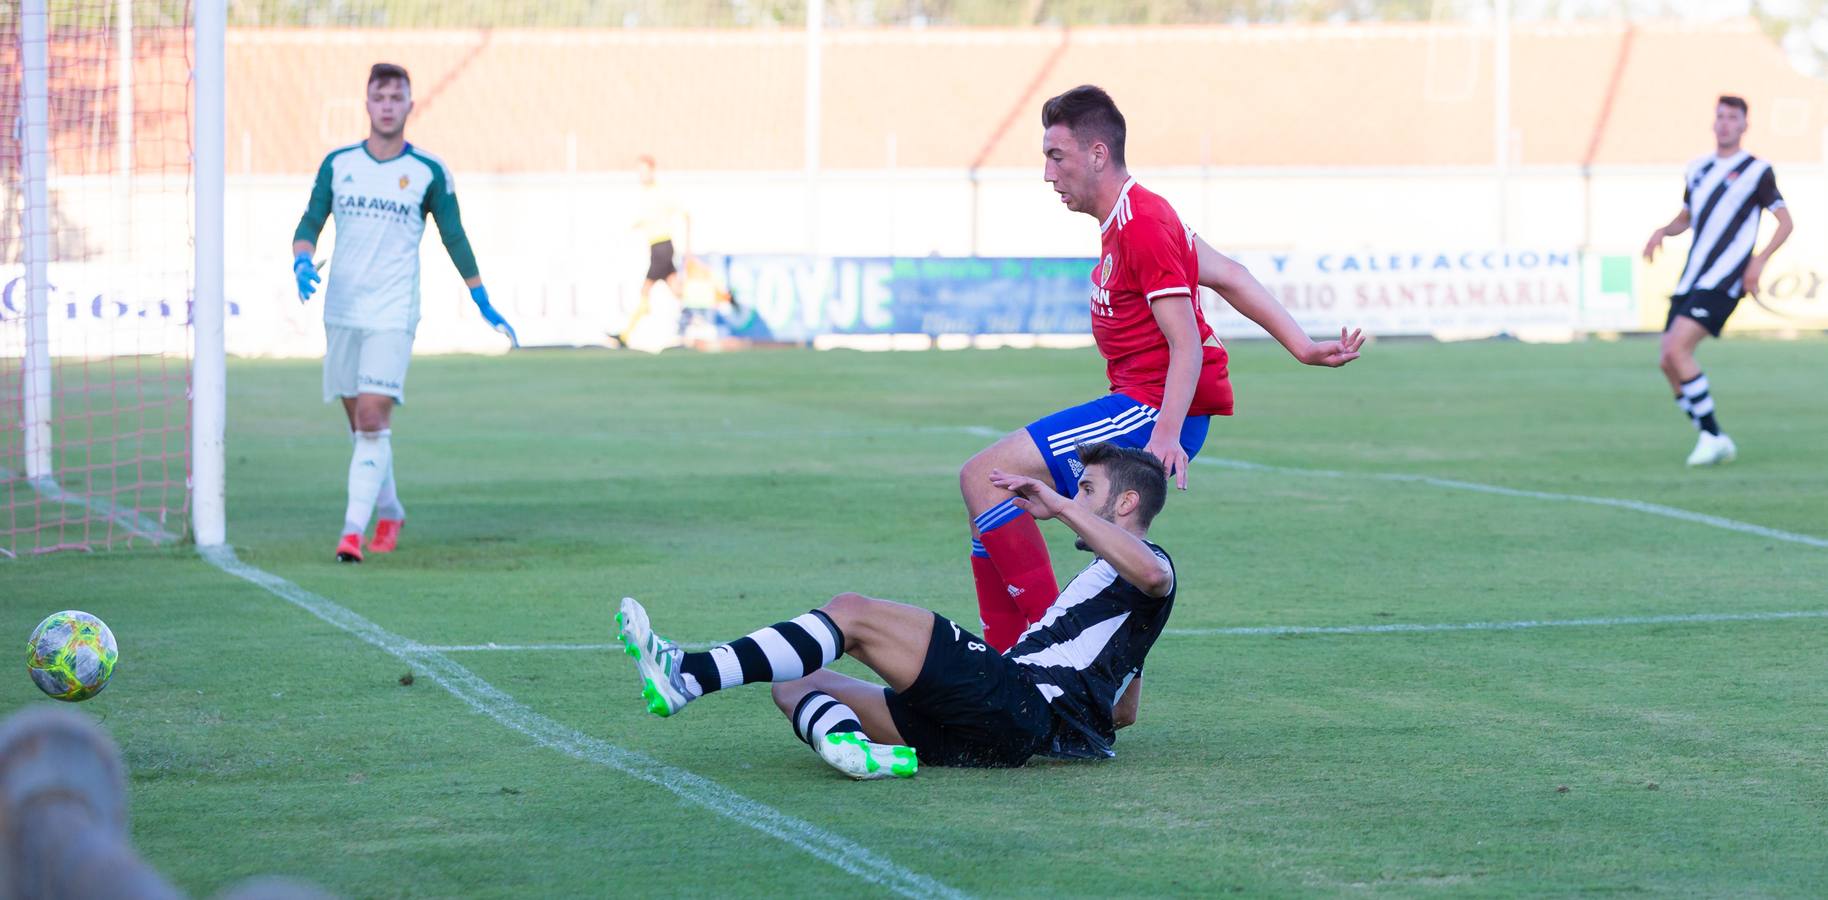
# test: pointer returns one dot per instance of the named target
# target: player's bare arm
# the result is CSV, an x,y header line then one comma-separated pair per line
x,y
1676,226
1755,267
1126,552
1237,286
1175,317
1123,715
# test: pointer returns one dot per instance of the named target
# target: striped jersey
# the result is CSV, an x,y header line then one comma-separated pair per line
x,y
380,208
1086,649
1724,197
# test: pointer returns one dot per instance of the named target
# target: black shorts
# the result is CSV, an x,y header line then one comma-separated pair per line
x,y
970,706
660,261
1708,308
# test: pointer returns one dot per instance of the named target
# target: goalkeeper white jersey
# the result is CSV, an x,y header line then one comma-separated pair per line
x,y
380,208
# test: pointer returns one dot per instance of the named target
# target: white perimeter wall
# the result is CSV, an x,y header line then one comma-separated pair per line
x,y
560,247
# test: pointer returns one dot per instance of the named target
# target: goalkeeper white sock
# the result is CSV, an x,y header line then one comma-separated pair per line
x,y
368,467
387,503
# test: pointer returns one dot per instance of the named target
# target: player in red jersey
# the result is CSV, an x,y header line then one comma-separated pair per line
x,y
1167,371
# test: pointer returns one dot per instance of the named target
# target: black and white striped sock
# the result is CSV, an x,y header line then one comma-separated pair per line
x,y
1699,403
819,714
780,652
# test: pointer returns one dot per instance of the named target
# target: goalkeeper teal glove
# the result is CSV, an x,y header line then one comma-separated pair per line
x,y
306,274
480,294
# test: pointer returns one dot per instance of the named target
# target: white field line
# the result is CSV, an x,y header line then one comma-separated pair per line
x,y
1389,628
1280,630
490,701
711,434
1654,509
136,524
1405,628
474,648
1668,512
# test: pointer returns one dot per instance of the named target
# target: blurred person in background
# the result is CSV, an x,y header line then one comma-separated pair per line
x,y
660,217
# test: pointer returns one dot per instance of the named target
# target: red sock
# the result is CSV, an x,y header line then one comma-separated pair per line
x,y
1002,619
1021,558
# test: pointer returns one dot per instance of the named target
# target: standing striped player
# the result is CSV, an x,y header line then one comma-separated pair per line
x,y
1721,199
380,191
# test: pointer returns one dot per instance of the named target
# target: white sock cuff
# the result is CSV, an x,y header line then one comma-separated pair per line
x,y
1695,388
818,713
729,668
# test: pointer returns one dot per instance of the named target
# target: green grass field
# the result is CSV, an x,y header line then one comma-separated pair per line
x,y
732,491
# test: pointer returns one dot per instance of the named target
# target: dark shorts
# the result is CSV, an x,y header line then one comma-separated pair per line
x,y
970,706
1114,418
660,261
1708,308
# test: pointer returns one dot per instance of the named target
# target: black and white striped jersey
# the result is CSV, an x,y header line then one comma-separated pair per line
x,y
1724,197
1086,649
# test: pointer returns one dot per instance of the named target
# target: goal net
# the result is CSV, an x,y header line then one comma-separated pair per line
x,y
95,274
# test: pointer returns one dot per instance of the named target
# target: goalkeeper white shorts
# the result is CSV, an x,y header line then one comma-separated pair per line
x,y
361,361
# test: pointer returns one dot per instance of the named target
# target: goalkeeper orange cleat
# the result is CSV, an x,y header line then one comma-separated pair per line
x,y
386,535
349,549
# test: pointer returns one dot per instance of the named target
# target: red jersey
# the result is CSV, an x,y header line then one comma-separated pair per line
x,y
1149,256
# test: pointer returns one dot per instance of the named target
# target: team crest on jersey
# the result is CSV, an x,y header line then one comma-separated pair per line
x,y
1104,271
1732,177
404,181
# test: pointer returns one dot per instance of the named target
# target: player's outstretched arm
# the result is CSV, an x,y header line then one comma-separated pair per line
x,y
441,198
1126,553
1238,287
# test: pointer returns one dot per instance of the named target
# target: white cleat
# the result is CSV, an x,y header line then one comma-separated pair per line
x,y
860,758
662,684
1713,449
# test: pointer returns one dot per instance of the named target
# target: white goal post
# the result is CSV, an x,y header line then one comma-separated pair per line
x,y
209,389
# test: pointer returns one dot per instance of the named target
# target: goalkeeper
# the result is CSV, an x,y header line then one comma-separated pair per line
x,y
380,191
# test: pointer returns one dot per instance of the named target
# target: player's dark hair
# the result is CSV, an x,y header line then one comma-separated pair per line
x,y
1130,469
1737,103
1090,114
382,73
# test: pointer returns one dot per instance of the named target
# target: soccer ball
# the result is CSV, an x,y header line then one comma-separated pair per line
x,y
71,655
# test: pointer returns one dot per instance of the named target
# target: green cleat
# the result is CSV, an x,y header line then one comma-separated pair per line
x,y
657,658
855,755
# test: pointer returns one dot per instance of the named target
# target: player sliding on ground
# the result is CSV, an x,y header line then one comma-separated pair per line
x,y
380,191
1072,680
1167,370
